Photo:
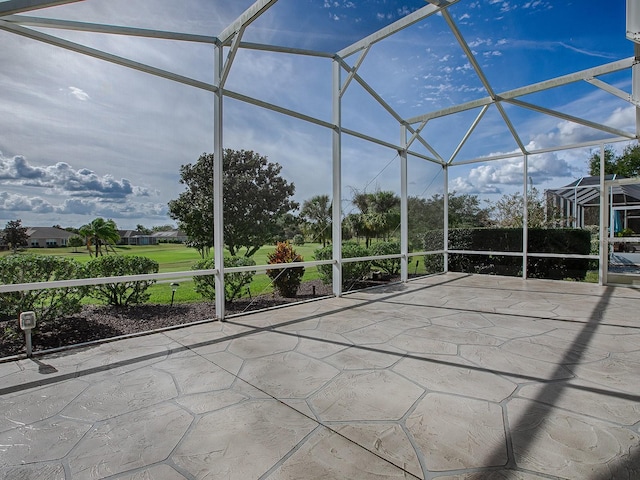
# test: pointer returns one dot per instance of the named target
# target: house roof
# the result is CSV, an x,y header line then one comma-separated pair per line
x,y
48,232
586,191
169,234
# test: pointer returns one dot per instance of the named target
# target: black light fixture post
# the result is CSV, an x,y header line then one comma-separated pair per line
x,y
174,287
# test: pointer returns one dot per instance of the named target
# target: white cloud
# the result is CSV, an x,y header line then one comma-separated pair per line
x,y
62,178
566,132
22,203
461,185
537,4
479,42
15,205
79,94
497,176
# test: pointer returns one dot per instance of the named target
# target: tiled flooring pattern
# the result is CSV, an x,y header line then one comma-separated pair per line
x,y
451,377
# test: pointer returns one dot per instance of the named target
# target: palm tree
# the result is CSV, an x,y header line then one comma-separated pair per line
x,y
317,213
99,232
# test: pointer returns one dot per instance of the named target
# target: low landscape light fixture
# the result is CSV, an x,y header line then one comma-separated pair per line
x,y
174,287
28,323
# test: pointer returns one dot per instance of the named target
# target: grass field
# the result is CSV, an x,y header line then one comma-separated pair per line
x,y
170,256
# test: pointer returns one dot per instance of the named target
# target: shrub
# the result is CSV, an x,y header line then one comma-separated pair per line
x,y
50,303
233,282
285,280
433,240
352,272
559,240
298,239
122,294
390,266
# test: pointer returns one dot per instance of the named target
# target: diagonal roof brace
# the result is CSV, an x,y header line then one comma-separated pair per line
x,y
108,57
468,134
485,82
396,26
354,70
245,19
533,88
10,7
596,82
27,20
230,57
571,118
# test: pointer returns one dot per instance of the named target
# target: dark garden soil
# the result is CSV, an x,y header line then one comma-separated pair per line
x,y
102,322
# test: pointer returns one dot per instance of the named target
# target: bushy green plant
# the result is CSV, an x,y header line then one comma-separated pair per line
x,y
121,294
50,303
352,272
433,240
540,240
298,239
285,280
234,282
390,266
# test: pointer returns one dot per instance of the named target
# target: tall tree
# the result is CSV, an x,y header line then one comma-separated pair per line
x,y
255,195
627,164
379,215
509,210
75,242
99,233
465,210
163,228
609,161
15,235
142,229
316,213
287,226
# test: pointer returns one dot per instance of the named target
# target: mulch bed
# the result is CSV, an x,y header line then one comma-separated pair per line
x,y
102,322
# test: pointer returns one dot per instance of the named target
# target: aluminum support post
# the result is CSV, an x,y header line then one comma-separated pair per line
x,y
525,215
218,194
633,34
404,209
336,234
445,219
635,88
603,266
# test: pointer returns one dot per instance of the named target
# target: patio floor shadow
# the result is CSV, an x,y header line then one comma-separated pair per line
x,y
454,377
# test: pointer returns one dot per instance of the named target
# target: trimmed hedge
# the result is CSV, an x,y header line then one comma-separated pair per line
x,y
122,294
540,240
390,266
49,303
234,282
352,272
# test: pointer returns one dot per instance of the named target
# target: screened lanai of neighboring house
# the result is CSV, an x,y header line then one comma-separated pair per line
x,y
578,203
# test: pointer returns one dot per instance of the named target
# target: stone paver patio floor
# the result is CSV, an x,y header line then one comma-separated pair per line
x,y
448,377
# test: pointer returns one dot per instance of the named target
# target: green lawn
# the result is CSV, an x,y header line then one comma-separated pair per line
x,y
171,257
177,258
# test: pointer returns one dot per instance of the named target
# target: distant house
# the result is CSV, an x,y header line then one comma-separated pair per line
x,y
575,201
48,237
171,236
133,237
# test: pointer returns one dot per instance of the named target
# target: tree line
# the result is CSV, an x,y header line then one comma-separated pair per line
x,y
259,209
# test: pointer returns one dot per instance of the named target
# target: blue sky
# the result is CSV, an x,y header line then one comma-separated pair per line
x,y
81,138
